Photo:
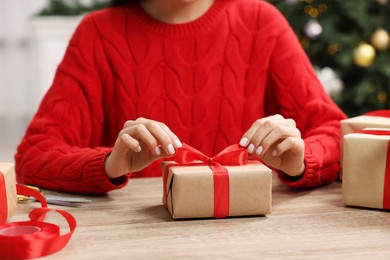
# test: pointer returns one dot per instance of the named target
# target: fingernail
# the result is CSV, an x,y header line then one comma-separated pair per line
x,y
259,150
171,150
243,141
177,143
274,153
157,150
251,147
138,149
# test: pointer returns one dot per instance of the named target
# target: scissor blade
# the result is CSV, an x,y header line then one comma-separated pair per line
x,y
63,203
67,198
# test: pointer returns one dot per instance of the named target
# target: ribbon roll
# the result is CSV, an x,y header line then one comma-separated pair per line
x,y
34,238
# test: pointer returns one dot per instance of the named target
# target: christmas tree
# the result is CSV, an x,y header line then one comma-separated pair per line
x,y
348,43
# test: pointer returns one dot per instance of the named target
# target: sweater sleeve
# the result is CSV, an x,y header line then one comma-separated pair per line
x,y
63,148
298,94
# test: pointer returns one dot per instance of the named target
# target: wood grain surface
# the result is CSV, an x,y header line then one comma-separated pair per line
x,y
132,223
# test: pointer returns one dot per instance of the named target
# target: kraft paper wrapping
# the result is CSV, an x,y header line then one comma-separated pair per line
x,y
7,170
357,123
191,192
364,170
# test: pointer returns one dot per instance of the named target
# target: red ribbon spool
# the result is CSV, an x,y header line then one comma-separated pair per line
x,y
34,238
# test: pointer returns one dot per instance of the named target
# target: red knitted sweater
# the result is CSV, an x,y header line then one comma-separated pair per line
x,y
208,80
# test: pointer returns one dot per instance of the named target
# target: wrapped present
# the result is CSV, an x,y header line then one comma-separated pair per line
x,y
374,119
8,197
196,186
366,174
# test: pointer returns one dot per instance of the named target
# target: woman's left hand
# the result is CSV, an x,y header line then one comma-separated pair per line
x,y
278,143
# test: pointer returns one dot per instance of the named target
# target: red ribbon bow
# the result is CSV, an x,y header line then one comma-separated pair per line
x,y
386,186
232,155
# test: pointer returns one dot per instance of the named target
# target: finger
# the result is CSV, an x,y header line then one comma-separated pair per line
x,y
270,125
131,123
163,136
246,139
125,142
140,133
137,138
165,143
131,143
263,131
275,136
289,144
175,140
128,124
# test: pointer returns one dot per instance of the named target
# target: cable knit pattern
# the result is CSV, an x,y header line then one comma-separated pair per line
x,y
208,80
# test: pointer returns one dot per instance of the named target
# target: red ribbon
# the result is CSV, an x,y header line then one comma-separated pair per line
x,y
34,238
25,190
386,188
3,200
21,190
232,155
383,113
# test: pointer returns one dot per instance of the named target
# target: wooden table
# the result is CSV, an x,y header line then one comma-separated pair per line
x,y
132,223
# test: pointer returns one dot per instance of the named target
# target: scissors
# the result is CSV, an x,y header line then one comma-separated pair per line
x,y
60,200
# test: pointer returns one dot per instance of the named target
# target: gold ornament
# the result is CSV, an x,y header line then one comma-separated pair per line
x,y
383,2
380,39
382,97
364,55
333,49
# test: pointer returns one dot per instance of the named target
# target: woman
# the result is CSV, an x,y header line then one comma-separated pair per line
x,y
141,77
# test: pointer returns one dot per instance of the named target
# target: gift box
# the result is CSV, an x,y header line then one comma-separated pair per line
x,y
8,197
206,188
366,174
374,119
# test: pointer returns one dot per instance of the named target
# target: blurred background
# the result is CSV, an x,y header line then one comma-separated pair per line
x,y
347,42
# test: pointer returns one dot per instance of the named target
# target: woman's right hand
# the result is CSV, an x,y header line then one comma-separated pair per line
x,y
140,143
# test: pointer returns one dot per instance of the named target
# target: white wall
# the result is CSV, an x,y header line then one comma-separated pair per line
x,y
16,86
27,65
30,49
49,39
